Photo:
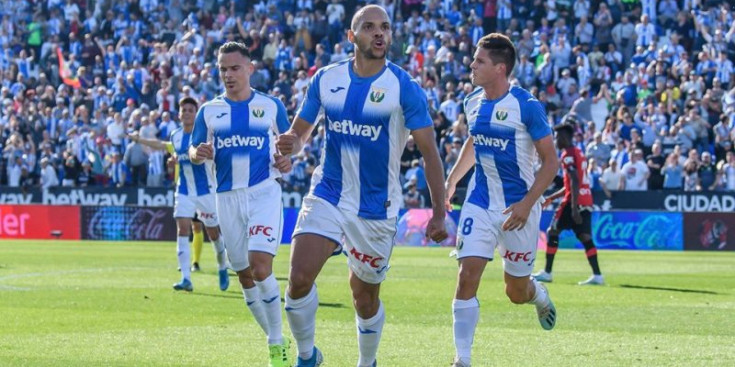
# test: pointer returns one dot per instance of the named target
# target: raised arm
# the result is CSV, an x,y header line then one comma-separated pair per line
x,y
153,143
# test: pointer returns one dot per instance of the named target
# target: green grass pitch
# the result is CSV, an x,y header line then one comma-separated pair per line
x,y
111,304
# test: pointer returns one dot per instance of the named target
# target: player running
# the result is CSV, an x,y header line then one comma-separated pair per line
x,y
370,107
575,210
237,131
194,196
507,128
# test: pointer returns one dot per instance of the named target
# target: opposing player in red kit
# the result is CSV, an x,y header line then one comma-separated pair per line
x,y
575,210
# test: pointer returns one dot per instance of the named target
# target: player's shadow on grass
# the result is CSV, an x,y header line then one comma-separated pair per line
x,y
682,290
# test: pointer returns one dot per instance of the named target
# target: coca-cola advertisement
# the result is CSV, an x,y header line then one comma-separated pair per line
x,y
709,231
128,223
632,231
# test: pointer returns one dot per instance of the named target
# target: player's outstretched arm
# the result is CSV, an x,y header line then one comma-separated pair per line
x,y
424,139
153,143
465,161
294,139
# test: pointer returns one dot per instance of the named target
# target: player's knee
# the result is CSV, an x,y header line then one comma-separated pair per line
x,y
213,233
299,283
516,295
468,280
184,231
246,278
261,272
366,304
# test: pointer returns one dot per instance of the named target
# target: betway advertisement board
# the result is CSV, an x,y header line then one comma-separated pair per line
x,y
670,201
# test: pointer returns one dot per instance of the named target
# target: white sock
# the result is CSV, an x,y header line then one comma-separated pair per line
x,y
270,294
540,298
368,336
466,313
184,254
219,252
255,304
301,314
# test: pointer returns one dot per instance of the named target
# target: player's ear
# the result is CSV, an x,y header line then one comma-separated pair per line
x,y
351,36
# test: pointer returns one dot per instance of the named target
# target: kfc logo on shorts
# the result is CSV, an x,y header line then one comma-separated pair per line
x,y
255,230
366,259
517,256
206,215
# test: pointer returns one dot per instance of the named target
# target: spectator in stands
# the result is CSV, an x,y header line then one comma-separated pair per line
x,y
655,162
48,174
412,198
727,171
707,174
86,176
136,160
611,179
117,171
14,171
72,167
673,173
636,172
598,150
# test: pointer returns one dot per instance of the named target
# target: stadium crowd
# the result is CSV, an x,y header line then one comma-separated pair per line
x,y
648,84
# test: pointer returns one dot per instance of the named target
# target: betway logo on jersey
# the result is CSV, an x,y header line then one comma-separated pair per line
x,y
485,141
348,127
237,141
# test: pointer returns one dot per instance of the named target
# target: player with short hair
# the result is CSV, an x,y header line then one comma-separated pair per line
x,y
237,131
194,196
575,211
370,107
507,128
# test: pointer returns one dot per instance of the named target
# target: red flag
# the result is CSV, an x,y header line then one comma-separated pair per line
x,y
65,72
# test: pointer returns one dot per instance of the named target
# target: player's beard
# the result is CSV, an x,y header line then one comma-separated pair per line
x,y
367,50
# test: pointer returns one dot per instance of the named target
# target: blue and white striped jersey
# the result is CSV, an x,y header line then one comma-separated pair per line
x,y
504,131
244,137
368,121
193,180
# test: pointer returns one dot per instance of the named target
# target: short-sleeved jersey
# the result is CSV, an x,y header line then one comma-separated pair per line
x,y
244,137
193,180
503,131
574,163
368,121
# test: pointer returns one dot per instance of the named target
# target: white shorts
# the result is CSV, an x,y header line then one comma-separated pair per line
x,y
250,220
480,231
367,243
186,206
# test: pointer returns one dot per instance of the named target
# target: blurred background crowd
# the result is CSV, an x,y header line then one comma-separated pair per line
x,y
648,84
